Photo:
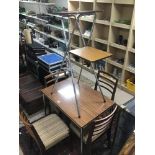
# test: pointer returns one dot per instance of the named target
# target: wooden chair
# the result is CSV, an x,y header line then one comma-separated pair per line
x,y
108,82
50,79
100,126
46,132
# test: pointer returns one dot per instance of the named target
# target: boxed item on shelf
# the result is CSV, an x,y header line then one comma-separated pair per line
x,y
34,50
130,83
50,62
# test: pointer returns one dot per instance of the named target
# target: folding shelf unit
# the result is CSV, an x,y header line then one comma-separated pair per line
x,y
87,53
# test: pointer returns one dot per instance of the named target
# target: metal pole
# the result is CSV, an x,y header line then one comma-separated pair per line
x,y
66,53
83,41
70,68
77,105
81,137
44,103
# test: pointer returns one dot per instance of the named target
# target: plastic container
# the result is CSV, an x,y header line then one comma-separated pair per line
x,y
130,83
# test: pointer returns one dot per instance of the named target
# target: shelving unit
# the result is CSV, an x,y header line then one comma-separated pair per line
x,y
114,32
40,35
34,17
34,2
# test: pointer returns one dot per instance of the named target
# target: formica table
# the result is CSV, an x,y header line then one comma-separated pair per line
x,y
90,101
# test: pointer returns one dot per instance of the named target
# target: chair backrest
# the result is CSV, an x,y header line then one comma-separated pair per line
x,y
108,82
31,130
101,124
50,79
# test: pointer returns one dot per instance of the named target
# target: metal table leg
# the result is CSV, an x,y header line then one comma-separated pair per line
x,y
44,104
81,139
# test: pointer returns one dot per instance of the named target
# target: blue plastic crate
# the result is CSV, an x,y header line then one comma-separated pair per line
x,y
50,59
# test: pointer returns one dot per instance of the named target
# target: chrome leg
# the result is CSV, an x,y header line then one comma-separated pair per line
x,y
83,41
81,137
44,104
66,54
77,105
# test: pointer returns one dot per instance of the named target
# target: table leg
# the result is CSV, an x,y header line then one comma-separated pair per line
x,y
81,138
44,104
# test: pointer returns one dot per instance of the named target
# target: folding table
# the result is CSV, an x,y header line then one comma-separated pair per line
x,y
91,103
94,52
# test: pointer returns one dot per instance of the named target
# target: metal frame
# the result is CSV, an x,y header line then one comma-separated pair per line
x,y
67,55
76,16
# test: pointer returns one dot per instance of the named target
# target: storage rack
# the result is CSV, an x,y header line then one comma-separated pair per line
x,y
117,19
39,7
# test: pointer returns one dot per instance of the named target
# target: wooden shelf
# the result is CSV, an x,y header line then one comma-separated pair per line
x,y
50,49
124,26
132,50
104,1
104,22
114,63
87,18
78,34
50,36
130,2
100,46
131,69
83,66
87,1
118,46
101,41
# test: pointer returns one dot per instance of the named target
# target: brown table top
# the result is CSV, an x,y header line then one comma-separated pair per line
x,y
91,54
90,101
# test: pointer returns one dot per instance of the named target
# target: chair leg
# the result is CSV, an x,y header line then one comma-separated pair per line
x,y
88,149
71,142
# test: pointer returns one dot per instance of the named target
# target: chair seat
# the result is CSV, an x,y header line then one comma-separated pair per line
x,y
51,130
76,130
